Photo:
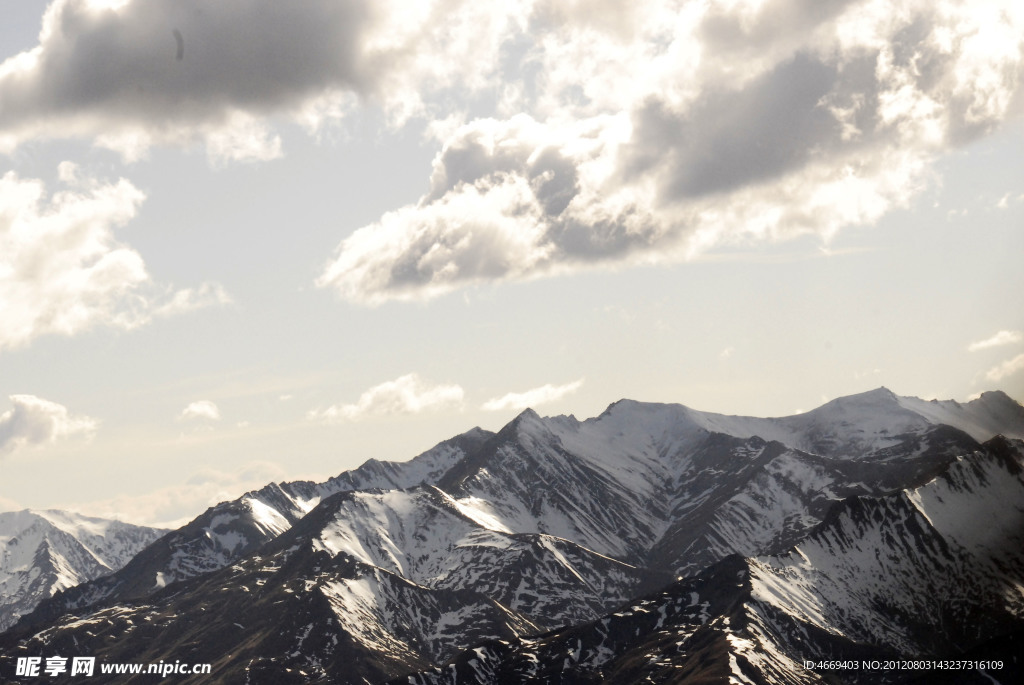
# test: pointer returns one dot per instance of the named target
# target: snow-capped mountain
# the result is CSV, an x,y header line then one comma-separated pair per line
x,y
43,552
231,530
923,573
369,584
667,486
554,521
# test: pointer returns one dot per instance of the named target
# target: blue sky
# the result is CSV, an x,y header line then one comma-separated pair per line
x,y
243,241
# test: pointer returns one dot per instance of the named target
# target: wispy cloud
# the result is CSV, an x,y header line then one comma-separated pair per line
x,y
200,409
35,421
998,340
532,398
190,299
1007,368
408,394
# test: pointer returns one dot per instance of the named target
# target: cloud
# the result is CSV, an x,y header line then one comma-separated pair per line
x,y
651,132
190,299
63,271
726,353
661,134
1007,368
262,472
201,409
175,505
510,199
34,421
532,398
174,70
7,504
137,73
999,339
407,394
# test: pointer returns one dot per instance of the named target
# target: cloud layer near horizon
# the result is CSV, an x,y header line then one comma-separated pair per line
x,y
175,505
618,134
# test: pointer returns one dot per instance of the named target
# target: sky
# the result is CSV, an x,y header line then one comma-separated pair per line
x,y
247,240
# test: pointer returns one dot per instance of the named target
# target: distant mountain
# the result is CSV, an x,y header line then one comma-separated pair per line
x,y
764,533
43,552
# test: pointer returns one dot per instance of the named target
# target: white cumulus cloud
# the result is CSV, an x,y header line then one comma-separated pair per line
x,y
618,133
408,394
998,340
532,398
200,409
62,269
656,133
35,421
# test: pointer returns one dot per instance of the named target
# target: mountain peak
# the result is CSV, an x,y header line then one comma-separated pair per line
x,y
991,413
880,395
994,397
526,414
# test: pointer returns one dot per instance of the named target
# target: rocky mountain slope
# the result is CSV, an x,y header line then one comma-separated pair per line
x,y
928,573
43,552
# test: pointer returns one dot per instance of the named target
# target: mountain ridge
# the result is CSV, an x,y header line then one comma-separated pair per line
x,y
552,521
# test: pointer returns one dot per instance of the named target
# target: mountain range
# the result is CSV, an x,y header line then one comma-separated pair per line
x,y
652,543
